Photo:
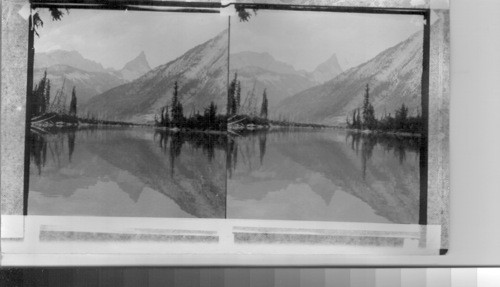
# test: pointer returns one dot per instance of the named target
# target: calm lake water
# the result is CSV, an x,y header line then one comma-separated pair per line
x,y
325,175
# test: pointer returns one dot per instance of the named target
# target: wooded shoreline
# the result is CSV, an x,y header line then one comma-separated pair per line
x,y
248,125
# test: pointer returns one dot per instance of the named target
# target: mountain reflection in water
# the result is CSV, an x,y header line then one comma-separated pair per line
x,y
324,174
300,174
137,162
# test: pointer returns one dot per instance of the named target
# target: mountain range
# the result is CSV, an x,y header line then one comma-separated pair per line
x,y
201,74
325,95
323,167
89,78
133,162
140,99
394,78
259,71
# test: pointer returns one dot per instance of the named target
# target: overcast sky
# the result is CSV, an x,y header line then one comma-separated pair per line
x,y
306,39
302,39
113,38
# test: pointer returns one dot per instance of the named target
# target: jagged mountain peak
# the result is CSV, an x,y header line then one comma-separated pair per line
x,y
140,58
136,67
332,61
327,70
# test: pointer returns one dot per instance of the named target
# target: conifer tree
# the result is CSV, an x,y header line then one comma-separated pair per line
x,y
358,119
38,97
46,98
211,113
166,118
162,116
369,120
352,121
366,106
72,105
401,117
231,96
238,98
177,109
263,109
175,99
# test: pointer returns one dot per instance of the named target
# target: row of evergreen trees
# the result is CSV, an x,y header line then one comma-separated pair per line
x,y
365,118
172,116
41,103
234,104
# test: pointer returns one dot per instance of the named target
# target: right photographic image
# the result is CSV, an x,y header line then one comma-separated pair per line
x,y
326,117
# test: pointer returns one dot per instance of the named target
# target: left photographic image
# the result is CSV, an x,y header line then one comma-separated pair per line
x,y
127,114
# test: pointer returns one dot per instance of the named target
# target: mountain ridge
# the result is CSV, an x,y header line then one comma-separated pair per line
x,y
394,77
67,57
201,76
260,70
89,77
87,84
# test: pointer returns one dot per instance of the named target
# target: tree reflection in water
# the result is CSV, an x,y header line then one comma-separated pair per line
x,y
57,143
190,165
247,152
363,145
38,150
398,145
188,168
327,174
64,140
231,156
173,142
53,142
71,144
262,146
